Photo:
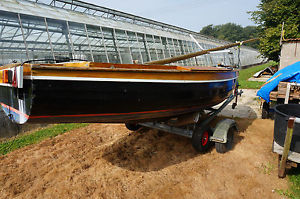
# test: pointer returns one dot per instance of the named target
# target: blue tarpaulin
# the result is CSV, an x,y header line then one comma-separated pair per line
x,y
290,73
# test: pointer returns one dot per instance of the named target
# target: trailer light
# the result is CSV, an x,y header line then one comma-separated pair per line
x,y
1,76
5,76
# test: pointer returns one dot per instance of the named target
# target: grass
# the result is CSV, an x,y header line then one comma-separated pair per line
x,y
286,193
294,185
24,140
245,74
294,178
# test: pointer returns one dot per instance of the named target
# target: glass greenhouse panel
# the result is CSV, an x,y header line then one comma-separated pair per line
x,y
36,37
143,47
110,42
135,47
12,46
97,43
79,41
60,38
123,46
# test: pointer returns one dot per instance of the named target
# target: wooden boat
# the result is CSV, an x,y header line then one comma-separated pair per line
x,y
104,92
107,92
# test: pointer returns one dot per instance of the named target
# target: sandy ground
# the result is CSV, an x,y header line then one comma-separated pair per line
x,y
108,161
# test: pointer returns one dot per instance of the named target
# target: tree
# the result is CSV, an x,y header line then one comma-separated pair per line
x,y
269,17
231,32
208,30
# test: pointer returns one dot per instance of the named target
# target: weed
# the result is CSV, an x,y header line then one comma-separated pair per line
x,y
267,168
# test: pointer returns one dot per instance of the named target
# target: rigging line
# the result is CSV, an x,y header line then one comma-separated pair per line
x,y
239,58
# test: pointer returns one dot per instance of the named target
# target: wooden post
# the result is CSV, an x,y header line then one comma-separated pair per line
x,y
286,148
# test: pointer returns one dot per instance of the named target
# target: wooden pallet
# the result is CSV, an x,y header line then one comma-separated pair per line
x,y
281,92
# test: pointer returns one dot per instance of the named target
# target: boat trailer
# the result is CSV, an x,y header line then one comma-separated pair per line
x,y
196,126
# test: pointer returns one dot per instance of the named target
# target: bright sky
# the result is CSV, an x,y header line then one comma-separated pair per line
x,y
190,14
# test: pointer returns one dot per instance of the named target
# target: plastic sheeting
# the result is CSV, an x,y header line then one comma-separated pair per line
x,y
290,73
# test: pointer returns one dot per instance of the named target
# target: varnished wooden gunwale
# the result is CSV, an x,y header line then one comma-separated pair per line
x,y
133,71
133,66
126,71
125,74
118,67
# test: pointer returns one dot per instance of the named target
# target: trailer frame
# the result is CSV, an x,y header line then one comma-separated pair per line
x,y
199,130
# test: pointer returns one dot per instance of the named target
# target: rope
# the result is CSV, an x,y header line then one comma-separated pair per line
x,y
239,58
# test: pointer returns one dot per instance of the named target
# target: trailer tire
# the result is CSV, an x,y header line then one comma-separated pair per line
x,y
132,127
224,147
200,139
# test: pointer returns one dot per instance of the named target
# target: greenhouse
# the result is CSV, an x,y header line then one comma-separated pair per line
x,y
70,29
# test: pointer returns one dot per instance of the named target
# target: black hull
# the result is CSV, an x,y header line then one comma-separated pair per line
x,y
59,101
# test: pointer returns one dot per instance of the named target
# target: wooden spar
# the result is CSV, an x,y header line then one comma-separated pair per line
x,y
195,54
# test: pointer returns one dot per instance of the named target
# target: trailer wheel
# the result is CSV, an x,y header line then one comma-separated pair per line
x,y
132,127
200,139
224,147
